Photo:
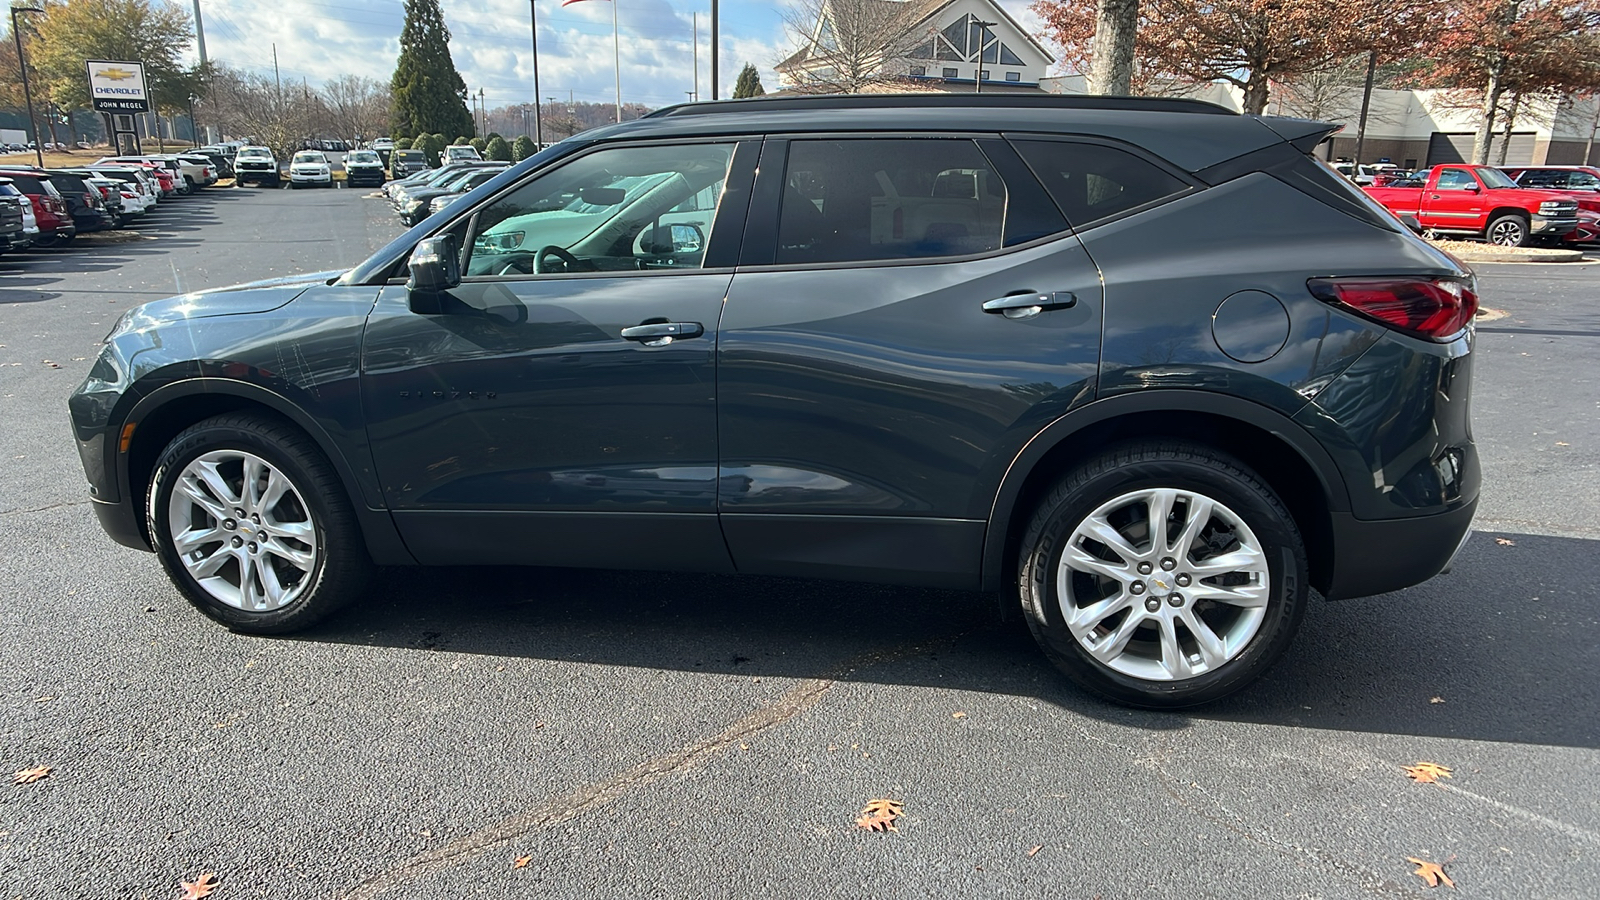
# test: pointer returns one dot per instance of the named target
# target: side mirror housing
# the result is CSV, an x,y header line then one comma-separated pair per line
x,y
435,267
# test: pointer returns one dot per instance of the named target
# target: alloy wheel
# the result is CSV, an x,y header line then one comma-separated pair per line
x,y
1163,584
243,531
1507,233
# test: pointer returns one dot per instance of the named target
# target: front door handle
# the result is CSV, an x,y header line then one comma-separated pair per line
x,y
1024,304
660,334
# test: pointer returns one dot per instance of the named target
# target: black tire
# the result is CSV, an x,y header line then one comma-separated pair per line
x,y
46,240
342,568
1186,467
1509,230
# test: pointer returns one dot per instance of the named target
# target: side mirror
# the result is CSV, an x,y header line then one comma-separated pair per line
x,y
687,238
1472,189
435,266
1411,223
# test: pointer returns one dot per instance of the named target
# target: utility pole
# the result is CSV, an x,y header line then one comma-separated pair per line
x,y
483,130
1366,104
714,30
199,34
1588,146
695,94
275,76
978,76
27,92
538,125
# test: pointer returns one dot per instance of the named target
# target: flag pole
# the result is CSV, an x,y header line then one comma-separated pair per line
x,y
616,56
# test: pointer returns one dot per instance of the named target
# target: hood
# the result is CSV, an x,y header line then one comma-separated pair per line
x,y
240,299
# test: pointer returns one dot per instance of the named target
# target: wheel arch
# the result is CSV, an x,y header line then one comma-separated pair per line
x,y
1304,475
160,415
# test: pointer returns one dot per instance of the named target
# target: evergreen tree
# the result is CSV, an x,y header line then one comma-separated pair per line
x,y
749,83
498,149
428,92
522,148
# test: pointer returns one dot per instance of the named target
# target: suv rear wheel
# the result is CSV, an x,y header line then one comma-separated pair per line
x,y
252,524
1162,574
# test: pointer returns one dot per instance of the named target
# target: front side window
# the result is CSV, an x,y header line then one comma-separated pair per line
x,y
1582,180
1091,182
856,200
617,210
1456,180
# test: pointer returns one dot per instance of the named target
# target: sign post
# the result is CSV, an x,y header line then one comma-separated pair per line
x,y
119,92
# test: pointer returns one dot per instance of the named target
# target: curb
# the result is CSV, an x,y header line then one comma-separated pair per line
x,y
1512,255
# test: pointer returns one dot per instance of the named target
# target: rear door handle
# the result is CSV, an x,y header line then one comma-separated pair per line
x,y
660,334
1023,304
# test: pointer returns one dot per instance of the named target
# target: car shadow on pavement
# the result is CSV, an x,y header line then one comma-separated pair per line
x,y
1501,649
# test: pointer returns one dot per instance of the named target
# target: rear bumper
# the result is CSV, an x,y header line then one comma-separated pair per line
x,y
1375,556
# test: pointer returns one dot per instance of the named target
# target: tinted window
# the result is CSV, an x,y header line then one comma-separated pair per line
x,y
858,200
614,210
1092,181
1582,180
1537,179
27,184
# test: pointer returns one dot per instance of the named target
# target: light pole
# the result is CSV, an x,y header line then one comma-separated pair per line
x,y
27,92
978,76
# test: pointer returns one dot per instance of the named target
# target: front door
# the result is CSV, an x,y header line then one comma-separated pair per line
x,y
559,407
1455,202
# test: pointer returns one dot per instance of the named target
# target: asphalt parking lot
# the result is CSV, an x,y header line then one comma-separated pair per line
x,y
649,735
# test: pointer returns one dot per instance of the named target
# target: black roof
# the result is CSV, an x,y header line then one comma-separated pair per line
x,y
1188,133
942,101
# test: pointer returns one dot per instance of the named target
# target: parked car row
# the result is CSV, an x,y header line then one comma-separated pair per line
x,y
424,193
1514,207
45,207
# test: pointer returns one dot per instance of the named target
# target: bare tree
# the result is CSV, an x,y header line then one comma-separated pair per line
x,y
257,107
850,46
356,106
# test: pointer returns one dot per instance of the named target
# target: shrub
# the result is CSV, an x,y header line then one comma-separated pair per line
x,y
522,148
497,148
480,144
402,144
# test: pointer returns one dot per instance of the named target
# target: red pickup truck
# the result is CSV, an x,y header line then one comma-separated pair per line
x,y
1480,201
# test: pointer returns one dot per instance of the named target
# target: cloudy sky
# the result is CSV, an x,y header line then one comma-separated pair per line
x,y
490,43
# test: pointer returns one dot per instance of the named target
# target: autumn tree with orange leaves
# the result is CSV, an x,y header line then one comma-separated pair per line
x,y
1515,47
1246,43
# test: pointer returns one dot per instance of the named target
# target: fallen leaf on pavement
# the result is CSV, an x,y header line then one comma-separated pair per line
x,y
29,776
199,888
1426,772
879,815
1035,851
1435,699
1431,873
521,862
1505,542
958,715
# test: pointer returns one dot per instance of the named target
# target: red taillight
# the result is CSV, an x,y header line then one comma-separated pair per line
x,y
1433,308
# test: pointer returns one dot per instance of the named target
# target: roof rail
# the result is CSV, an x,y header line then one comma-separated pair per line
x,y
940,101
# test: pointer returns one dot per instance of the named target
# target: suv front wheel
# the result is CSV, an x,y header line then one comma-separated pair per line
x,y
253,525
1162,574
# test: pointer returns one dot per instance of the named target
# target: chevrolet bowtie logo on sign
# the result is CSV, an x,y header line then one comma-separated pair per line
x,y
117,87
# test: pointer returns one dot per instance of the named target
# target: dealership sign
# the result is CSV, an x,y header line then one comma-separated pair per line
x,y
118,87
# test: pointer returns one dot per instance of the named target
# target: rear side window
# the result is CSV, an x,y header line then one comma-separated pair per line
x,y
28,184
886,199
1091,182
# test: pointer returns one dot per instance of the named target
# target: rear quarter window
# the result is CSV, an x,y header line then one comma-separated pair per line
x,y
1094,182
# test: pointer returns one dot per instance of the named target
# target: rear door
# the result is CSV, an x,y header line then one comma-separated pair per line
x,y
868,401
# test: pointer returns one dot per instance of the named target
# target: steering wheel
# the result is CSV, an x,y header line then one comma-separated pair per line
x,y
541,266
514,267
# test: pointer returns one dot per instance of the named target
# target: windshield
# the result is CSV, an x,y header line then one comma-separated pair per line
x,y
310,156
255,153
362,156
1496,179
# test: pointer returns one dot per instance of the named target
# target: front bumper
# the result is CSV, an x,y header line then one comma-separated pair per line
x,y
311,178
120,523
1547,225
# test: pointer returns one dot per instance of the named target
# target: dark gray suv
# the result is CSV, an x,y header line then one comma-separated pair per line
x,y
1144,365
